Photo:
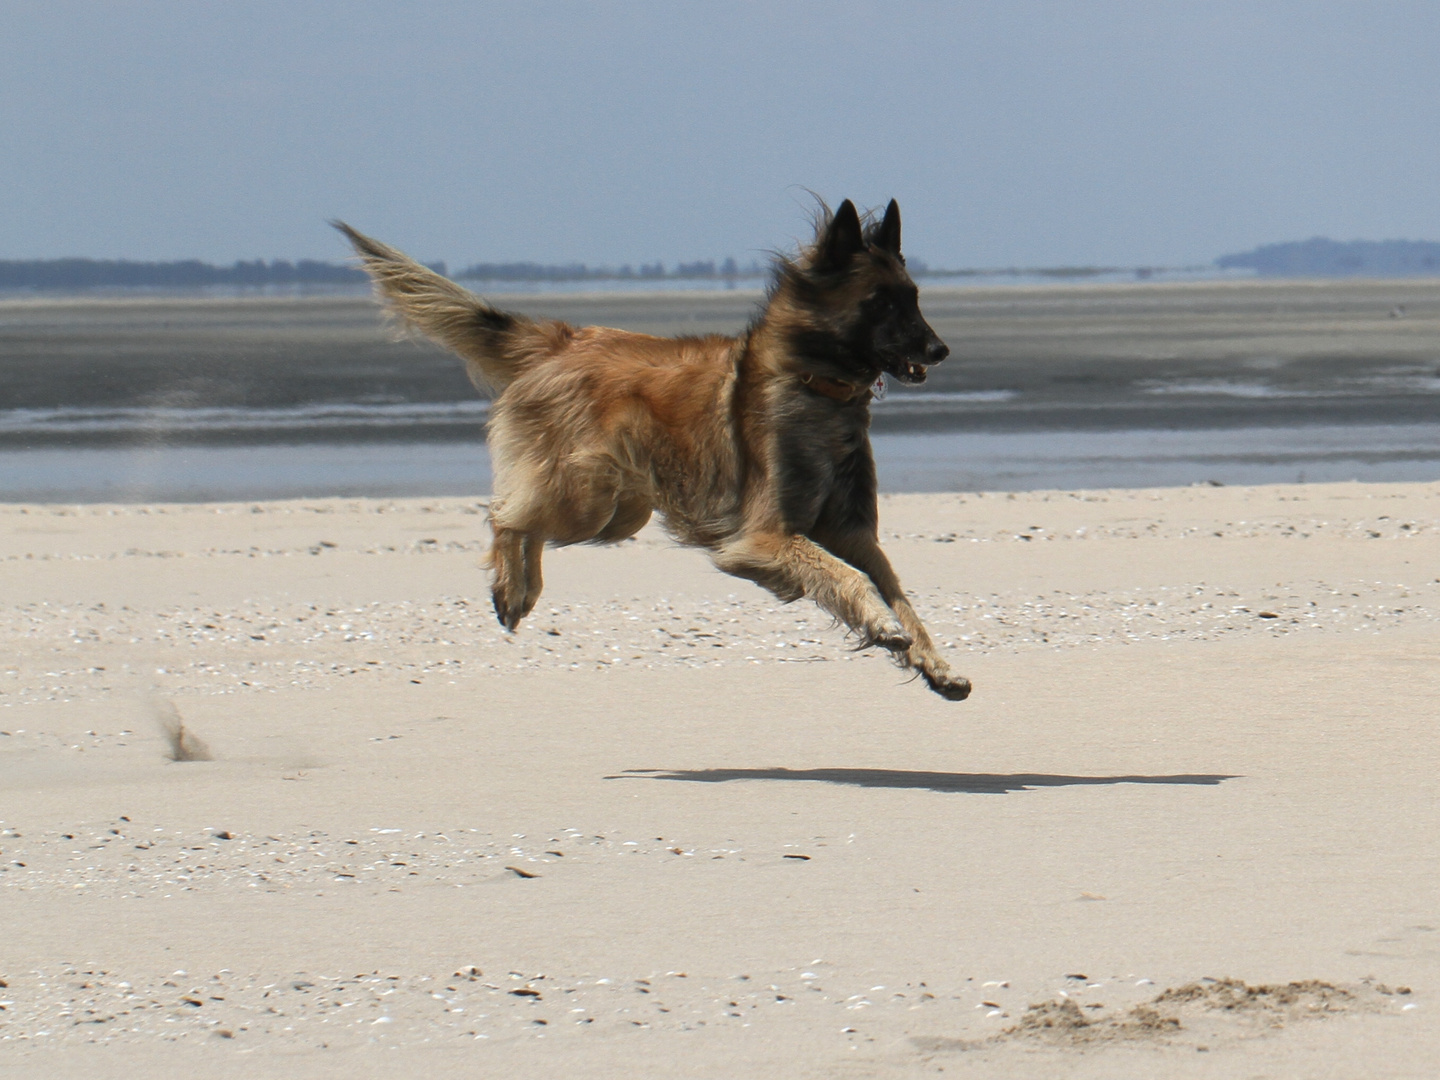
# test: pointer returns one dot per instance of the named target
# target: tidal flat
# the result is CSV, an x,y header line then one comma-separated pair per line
x,y
1290,378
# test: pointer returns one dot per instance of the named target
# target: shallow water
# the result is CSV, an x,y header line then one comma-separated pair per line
x,y
939,461
1030,461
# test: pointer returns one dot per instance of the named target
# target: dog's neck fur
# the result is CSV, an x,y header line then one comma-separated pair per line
x,y
793,339
841,390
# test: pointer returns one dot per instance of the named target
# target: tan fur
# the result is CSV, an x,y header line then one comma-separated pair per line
x,y
593,429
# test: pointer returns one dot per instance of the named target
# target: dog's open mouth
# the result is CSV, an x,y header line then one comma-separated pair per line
x,y
910,371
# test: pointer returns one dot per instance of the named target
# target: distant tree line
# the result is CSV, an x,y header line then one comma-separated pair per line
x,y
192,273
920,270
186,273
529,271
1334,258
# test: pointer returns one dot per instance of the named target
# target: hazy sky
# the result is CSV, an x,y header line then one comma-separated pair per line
x,y
1013,132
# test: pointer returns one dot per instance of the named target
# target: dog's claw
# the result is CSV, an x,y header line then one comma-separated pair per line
x,y
508,615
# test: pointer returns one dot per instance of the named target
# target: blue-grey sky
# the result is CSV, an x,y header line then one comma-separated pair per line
x,y
1013,132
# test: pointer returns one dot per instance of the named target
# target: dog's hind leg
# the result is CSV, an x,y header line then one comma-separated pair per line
x,y
515,564
532,551
864,552
794,566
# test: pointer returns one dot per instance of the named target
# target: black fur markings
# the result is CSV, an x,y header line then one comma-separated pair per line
x,y
493,320
843,240
886,235
851,503
826,469
824,352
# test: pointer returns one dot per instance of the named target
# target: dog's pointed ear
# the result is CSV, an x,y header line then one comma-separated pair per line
x,y
843,239
887,236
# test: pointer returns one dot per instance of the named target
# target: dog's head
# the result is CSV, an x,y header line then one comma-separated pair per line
x,y
861,307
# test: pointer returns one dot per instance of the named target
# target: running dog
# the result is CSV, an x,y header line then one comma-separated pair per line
x,y
755,448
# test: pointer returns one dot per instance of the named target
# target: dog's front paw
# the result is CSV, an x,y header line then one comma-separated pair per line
x,y
950,687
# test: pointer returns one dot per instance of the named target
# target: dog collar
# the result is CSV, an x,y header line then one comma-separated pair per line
x,y
837,389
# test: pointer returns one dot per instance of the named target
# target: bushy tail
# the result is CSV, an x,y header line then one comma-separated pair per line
x,y
495,345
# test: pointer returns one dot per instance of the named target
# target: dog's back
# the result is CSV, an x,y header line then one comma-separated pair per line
x,y
615,419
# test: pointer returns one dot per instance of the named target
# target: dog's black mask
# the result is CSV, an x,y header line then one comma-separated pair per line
x,y
888,333
900,340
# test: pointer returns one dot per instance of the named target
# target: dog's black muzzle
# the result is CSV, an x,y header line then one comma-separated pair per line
x,y
913,368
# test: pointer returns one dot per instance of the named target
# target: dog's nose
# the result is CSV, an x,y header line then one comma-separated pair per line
x,y
936,351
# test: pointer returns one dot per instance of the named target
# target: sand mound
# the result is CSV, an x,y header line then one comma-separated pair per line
x,y
1199,1014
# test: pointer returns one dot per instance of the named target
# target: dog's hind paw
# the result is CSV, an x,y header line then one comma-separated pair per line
x,y
893,638
508,613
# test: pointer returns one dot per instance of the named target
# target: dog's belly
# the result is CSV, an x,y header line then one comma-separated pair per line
x,y
632,513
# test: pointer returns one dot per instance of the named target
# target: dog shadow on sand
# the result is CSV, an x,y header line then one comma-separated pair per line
x,y
959,783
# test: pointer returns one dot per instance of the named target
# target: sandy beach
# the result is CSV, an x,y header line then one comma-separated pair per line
x,y
672,828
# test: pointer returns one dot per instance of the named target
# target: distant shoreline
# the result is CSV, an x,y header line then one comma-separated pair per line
x,y
620,285
1318,257
701,291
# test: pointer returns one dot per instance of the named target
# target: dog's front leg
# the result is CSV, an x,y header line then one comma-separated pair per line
x,y
864,552
795,566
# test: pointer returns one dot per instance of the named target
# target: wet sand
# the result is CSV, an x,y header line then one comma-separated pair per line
x,y
1049,387
673,825
1029,358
